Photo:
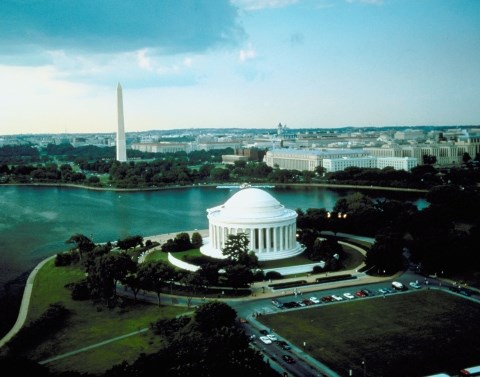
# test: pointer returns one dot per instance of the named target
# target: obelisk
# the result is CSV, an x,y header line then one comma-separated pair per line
x,y
121,144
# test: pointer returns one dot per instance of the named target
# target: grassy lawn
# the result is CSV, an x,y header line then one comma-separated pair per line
x,y
162,256
353,259
412,334
90,324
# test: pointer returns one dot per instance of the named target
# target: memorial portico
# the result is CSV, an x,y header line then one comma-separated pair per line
x,y
270,227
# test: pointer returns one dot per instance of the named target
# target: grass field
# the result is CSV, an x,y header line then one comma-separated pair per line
x,y
90,324
412,334
159,255
353,258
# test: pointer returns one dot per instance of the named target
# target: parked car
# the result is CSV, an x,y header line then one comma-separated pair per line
x,y
337,298
272,337
348,295
265,339
415,285
307,302
263,332
289,359
284,345
277,303
360,294
399,286
327,298
367,292
314,300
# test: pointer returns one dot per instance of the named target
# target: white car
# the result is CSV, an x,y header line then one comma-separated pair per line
x,y
314,300
272,337
349,295
337,298
265,339
415,285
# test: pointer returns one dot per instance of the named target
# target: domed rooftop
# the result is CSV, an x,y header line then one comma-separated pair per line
x,y
252,203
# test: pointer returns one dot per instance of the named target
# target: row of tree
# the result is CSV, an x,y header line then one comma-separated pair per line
x,y
106,267
441,237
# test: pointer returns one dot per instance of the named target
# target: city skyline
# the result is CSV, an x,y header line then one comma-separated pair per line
x,y
238,63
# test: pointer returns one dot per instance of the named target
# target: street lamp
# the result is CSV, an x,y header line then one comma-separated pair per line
x,y
364,368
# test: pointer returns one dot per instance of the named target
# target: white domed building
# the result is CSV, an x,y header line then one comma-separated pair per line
x,y
270,227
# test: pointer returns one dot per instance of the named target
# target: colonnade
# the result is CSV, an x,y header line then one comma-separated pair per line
x,y
263,239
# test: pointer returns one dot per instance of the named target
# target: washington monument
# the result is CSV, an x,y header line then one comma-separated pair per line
x,y
121,144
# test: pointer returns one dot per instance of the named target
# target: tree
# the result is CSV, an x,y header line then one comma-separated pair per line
x,y
133,282
214,314
129,242
197,240
182,241
466,157
82,243
209,271
386,253
429,159
238,275
154,276
236,246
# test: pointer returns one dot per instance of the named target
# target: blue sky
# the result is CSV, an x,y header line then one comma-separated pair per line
x,y
237,63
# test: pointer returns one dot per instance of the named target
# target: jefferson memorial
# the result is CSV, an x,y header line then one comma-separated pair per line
x,y
270,227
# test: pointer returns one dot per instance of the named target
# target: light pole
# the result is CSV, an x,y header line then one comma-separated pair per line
x,y
364,368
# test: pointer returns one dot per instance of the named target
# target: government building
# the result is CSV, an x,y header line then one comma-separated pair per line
x,y
270,227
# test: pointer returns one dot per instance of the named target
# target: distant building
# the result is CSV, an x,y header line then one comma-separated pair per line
x,y
163,147
230,159
298,159
338,164
446,153
398,163
409,134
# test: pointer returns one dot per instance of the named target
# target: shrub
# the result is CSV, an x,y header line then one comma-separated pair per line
x,y
66,259
80,290
273,275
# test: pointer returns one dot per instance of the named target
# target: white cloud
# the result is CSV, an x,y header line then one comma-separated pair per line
x,y
143,60
262,4
188,62
247,54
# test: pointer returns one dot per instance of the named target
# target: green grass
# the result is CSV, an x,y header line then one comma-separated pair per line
x,y
353,258
90,324
412,334
162,256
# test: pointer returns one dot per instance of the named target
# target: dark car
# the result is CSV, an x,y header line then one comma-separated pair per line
x,y
263,332
284,345
289,359
367,292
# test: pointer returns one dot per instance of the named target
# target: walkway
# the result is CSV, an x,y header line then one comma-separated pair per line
x,y
96,345
27,293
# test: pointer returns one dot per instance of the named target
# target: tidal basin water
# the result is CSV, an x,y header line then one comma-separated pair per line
x,y
36,221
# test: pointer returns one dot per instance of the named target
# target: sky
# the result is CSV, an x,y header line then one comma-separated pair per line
x,y
237,63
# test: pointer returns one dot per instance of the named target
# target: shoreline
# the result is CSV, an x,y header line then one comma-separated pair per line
x,y
174,187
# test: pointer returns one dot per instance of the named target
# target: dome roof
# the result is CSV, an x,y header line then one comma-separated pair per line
x,y
252,203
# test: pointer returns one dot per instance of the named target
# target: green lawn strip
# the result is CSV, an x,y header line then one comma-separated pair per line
x,y
409,334
352,259
89,323
49,287
162,256
98,360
